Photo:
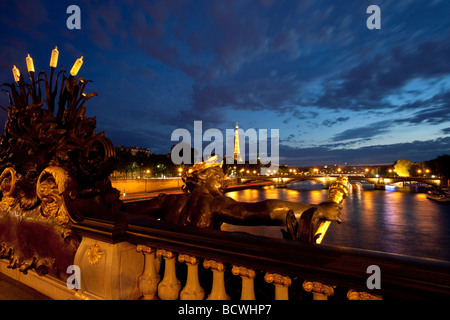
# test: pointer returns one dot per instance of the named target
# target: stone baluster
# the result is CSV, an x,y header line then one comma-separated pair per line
x,y
218,291
192,290
148,281
361,295
319,290
169,287
247,276
281,283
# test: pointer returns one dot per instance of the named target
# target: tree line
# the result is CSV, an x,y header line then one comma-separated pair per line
x,y
439,166
141,164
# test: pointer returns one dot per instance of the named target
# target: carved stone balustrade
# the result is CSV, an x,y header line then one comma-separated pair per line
x,y
319,290
247,276
192,290
148,281
403,277
218,291
362,295
169,287
281,283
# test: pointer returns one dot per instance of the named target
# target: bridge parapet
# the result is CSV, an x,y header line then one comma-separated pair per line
x,y
326,180
295,269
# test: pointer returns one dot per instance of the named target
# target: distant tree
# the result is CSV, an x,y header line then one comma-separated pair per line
x,y
414,169
125,157
402,167
441,165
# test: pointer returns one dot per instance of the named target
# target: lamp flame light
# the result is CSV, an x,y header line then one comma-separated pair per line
x,y
76,66
54,58
30,64
16,73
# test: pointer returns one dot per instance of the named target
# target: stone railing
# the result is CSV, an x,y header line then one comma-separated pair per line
x,y
153,260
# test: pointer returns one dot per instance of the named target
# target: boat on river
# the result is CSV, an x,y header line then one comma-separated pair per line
x,y
442,195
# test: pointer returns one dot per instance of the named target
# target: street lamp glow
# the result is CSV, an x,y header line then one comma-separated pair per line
x,y
76,66
30,64
54,58
16,73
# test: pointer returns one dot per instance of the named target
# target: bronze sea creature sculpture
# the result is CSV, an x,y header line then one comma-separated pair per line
x,y
204,205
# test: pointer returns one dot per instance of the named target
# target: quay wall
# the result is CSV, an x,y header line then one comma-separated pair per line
x,y
130,186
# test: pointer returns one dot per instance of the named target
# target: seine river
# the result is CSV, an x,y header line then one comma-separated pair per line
x,y
391,220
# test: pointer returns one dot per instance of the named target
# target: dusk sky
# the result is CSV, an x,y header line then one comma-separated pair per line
x,y
337,91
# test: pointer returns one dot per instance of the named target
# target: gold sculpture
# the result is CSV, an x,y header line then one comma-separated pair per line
x,y
338,191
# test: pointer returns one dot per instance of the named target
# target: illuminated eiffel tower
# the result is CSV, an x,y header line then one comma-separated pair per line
x,y
237,151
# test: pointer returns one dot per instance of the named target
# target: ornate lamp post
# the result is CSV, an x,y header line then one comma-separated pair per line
x,y
54,168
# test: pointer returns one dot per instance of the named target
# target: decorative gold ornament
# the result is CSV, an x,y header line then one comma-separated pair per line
x,y
94,254
211,162
243,272
214,265
51,184
144,248
276,278
339,190
165,253
361,295
188,259
8,180
318,287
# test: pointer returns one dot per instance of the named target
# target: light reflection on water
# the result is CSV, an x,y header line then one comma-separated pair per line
x,y
390,221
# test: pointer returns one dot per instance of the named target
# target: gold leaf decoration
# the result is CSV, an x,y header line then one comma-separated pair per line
x,y
94,254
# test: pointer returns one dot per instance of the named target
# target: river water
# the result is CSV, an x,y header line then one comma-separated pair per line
x,y
394,220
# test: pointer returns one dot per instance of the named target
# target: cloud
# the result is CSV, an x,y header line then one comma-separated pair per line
x,y
435,110
415,151
330,123
366,85
365,132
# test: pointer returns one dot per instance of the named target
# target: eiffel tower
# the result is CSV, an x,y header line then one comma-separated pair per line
x,y
237,151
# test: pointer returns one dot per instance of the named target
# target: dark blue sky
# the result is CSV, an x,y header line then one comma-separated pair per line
x,y
337,91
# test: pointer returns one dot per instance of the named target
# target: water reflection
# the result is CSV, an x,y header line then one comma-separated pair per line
x,y
390,221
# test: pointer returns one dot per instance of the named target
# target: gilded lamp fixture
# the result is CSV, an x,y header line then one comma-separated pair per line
x,y
54,168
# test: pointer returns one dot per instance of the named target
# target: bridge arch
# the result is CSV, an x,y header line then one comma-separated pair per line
x,y
378,182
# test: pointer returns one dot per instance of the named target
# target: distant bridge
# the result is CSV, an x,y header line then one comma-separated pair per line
x,y
326,180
